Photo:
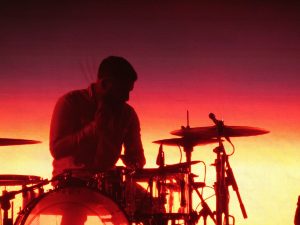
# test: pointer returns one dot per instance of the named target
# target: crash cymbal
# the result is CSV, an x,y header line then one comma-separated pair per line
x,y
185,141
12,141
211,132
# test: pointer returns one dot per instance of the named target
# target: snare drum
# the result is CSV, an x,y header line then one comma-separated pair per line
x,y
72,206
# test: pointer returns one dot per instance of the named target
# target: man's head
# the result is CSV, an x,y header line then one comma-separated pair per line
x,y
116,78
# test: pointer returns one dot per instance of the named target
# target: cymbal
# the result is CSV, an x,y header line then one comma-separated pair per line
x,y
211,132
14,180
12,141
185,141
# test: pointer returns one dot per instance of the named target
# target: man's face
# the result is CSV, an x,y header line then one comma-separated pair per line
x,y
118,90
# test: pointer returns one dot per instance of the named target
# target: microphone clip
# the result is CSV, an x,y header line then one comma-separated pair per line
x,y
219,125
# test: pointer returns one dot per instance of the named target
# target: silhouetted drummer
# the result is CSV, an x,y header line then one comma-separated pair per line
x,y
89,126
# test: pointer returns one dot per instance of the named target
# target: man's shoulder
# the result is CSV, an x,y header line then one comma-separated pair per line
x,y
80,94
130,111
129,108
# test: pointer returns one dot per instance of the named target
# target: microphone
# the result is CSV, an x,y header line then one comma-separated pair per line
x,y
213,118
160,159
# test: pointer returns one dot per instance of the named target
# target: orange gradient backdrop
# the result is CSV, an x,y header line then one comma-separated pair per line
x,y
238,61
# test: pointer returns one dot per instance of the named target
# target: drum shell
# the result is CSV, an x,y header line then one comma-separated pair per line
x,y
72,205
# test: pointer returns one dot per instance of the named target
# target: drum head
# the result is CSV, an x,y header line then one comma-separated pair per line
x,y
73,206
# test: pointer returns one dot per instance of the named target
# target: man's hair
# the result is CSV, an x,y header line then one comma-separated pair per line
x,y
117,68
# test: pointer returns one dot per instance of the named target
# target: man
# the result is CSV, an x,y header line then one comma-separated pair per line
x,y
89,127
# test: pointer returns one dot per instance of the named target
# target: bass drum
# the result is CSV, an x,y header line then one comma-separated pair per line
x,y
72,206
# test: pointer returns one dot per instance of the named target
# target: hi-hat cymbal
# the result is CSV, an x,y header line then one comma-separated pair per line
x,y
12,141
176,166
212,132
185,141
14,180
169,170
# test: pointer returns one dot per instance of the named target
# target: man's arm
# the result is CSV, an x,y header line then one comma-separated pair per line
x,y
134,152
66,138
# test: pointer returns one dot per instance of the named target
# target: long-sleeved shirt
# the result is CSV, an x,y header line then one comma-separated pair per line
x,y
87,134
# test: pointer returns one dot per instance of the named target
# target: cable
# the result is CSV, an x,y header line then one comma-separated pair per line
x,y
233,148
204,178
204,201
180,150
209,197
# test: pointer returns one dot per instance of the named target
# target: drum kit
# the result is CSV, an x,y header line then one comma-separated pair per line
x,y
124,196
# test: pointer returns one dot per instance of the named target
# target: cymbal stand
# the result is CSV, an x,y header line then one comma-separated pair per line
x,y
188,149
160,160
5,205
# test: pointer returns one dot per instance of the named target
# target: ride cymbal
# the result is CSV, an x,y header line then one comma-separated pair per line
x,y
13,141
212,132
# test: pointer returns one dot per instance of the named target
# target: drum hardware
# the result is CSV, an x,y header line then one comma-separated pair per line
x,y
5,205
186,201
205,211
13,141
167,170
225,178
224,173
7,196
165,179
176,187
190,137
188,143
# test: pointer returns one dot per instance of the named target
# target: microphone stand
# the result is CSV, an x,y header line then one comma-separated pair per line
x,y
222,195
224,178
